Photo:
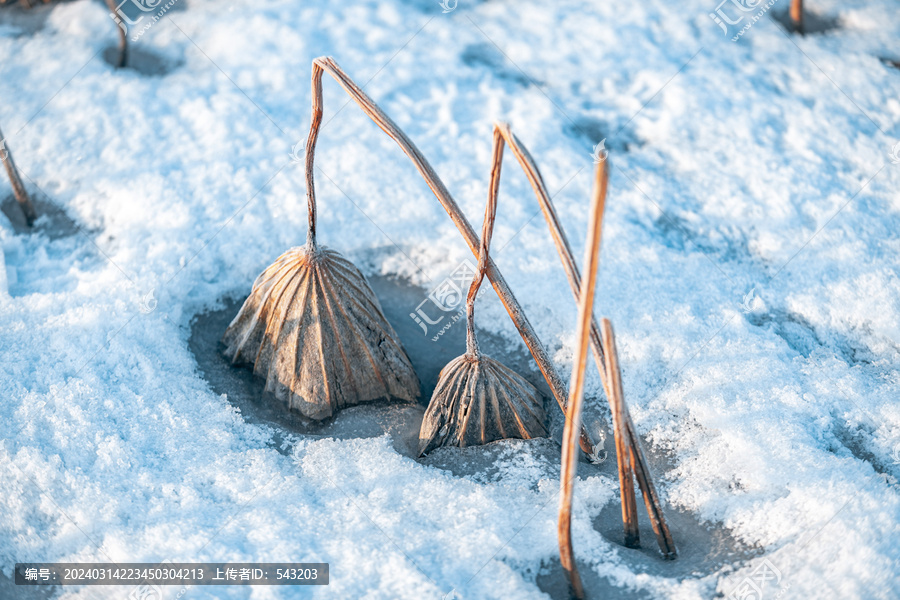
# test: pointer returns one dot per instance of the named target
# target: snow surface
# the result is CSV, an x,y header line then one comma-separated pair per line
x,y
750,267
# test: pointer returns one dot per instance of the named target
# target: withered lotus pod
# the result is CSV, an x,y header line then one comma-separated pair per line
x,y
478,400
313,328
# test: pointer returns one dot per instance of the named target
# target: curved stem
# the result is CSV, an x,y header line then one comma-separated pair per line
x,y
16,182
541,358
576,385
487,232
314,125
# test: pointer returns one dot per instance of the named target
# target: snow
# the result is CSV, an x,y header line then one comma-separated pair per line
x,y
750,268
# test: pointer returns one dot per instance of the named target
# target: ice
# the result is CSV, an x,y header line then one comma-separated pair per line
x,y
749,267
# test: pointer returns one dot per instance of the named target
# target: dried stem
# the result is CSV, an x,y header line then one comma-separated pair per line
x,y
651,501
16,181
487,231
638,461
548,369
617,403
315,124
123,34
576,385
797,14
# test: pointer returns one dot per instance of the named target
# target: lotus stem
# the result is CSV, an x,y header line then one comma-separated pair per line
x,y
15,181
314,127
538,352
123,34
617,403
487,232
638,461
576,384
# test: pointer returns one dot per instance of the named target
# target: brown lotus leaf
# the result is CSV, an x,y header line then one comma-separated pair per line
x,y
313,328
478,400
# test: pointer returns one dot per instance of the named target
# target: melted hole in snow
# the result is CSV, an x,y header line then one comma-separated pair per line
x,y
428,351
141,60
52,220
593,131
24,21
49,256
703,548
891,62
487,55
812,22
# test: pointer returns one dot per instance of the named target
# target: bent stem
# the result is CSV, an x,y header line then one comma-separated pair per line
x,y
637,461
15,181
314,125
123,35
576,384
538,352
487,232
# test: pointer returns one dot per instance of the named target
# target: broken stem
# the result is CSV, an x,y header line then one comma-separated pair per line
x,y
548,369
638,461
487,231
617,404
123,34
576,384
16,181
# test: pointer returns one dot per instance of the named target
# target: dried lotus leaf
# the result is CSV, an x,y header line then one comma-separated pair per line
x,y
478,401
313,328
